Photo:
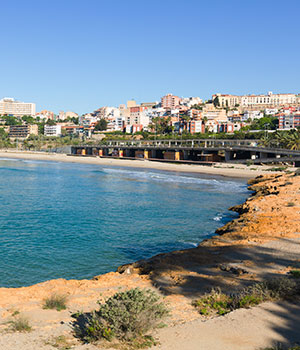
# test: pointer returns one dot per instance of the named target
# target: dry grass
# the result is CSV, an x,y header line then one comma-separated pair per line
x,y
56,302
20,324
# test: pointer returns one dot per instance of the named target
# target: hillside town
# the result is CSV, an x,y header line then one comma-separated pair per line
x,y
174,115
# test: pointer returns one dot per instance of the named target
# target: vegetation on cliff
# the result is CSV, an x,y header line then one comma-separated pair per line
x,y
127,316
218,303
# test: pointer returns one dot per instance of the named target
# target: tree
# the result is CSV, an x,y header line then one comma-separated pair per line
x,y
265,141
28,119
259,124
294,140
161,125
216,102
101,125
9,120
197,107
50,122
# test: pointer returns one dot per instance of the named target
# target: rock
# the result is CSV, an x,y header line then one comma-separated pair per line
x,y
233,269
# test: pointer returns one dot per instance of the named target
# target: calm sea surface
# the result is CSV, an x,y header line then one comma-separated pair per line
x,y
78,221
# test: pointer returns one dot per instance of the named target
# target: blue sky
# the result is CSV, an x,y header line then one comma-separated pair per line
x,y
83,54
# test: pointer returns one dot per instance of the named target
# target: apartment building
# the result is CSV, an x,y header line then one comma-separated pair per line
x,y
23,131
45,115
191,101
10,106
170,101
138,116
254,100
196,126
289,121
52,130
216,114
65,115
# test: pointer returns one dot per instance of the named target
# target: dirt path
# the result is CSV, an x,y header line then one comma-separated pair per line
x,y
263,326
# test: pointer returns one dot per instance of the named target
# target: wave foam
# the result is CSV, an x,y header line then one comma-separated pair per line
x,y
209,184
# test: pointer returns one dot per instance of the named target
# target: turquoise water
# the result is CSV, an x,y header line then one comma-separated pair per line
x,y
77,221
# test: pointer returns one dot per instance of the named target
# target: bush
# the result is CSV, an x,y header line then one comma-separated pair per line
x,y
220,303
56,301
295,273
20,324
126,316
214,302
279,347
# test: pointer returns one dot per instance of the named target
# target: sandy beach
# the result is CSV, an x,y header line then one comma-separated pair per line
x,y
222,169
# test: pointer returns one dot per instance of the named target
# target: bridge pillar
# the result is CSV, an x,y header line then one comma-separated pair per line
x,y
100,152
83,152
263,155
153,153
228,155
177,155
146,154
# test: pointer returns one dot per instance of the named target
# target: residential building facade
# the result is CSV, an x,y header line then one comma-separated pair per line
x,y
10,106
254,100
23,131
52,130
170,101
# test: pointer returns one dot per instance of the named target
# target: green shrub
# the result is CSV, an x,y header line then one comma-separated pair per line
x,y
20,324
219,303
280,347
248,301
290,204
128,316
283,168
281,288
214,302
56,301
295,273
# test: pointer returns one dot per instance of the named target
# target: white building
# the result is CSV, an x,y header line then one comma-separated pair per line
x,y
252,115
88,120
191,101
255,100
10,106
271,111
52,130
119,123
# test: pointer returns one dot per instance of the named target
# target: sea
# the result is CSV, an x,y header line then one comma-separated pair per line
x,y
75,221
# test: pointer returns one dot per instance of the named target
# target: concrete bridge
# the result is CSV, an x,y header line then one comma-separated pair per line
x,y
191,151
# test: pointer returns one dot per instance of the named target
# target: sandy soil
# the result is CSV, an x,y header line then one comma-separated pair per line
x,y
236,170
266,325
262,243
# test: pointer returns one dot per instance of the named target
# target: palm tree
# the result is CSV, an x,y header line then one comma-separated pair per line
x,y
294,140
281,138
204,120
265,141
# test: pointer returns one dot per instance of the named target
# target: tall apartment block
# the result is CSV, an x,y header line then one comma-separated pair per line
x,y
15,108
170,101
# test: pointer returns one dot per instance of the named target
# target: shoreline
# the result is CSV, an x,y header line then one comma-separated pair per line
x,y
219,169
224,236
263,242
